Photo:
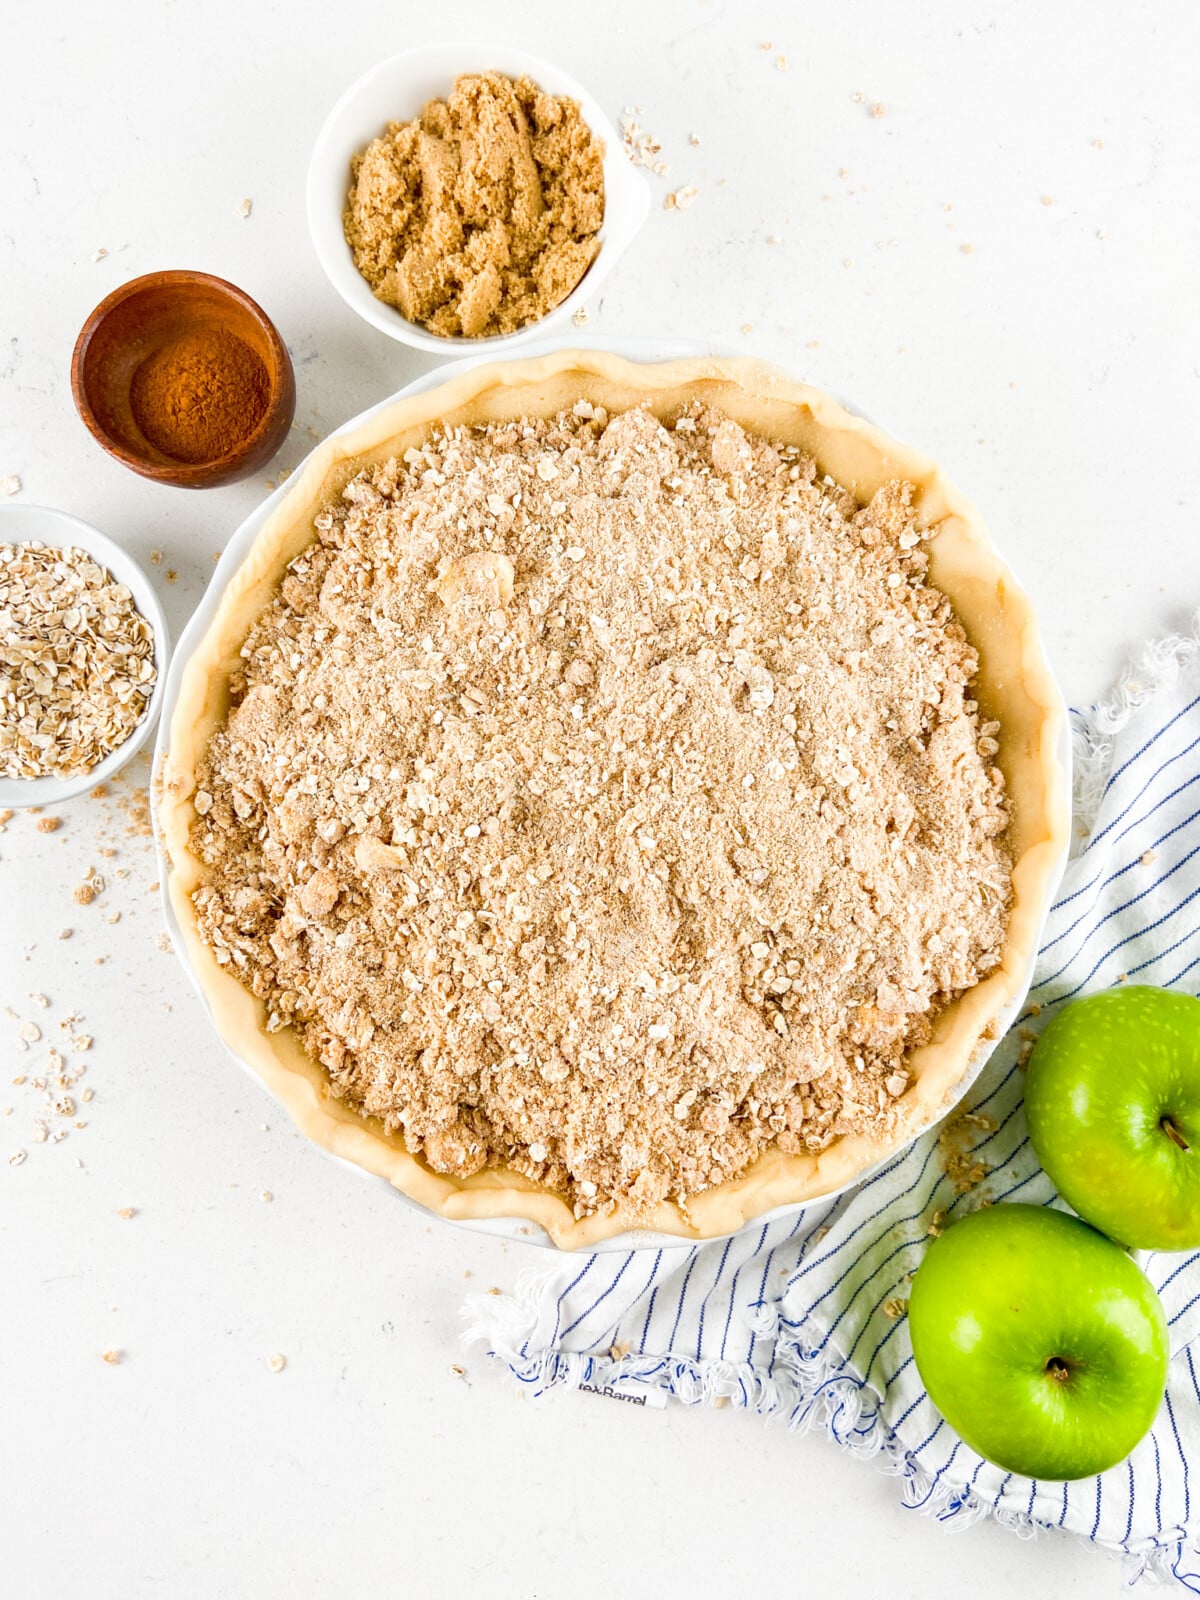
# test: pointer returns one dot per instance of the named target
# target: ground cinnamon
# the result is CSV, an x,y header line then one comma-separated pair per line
x,y
199,396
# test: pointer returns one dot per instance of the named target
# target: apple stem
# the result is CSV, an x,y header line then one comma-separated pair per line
x,y
1167,1124
1058,1369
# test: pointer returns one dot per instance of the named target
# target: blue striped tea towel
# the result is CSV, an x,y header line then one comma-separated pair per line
x,y
799,1317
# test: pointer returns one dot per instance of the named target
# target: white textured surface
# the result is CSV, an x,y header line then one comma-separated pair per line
x,y
366,1467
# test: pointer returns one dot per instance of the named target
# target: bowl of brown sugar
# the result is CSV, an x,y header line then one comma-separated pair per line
x,y
470,197
182,377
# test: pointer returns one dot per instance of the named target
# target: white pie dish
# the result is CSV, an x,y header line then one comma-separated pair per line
x,y
23,524
515,1227
396,90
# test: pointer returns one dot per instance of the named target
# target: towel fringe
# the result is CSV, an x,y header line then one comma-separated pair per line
x,y
1156,667
806,1389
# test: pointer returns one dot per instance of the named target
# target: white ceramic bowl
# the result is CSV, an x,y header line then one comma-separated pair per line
x,y
395,91
22,524
236,551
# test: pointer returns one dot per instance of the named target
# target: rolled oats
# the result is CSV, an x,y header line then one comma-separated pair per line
x,y
76,662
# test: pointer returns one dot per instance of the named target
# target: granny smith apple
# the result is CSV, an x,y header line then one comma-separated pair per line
x,y
1112,1098
1039,1340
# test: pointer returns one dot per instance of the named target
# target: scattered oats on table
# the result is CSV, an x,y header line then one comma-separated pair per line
x,y
10,484
681,199
641,148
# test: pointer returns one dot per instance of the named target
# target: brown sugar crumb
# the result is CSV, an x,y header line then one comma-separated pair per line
x,y
627,817
483,214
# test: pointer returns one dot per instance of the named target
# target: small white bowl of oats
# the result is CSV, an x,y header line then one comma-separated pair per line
x,y
83,656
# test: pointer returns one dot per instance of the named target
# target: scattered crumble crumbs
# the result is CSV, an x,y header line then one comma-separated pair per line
x,y
17,1157
936,1224
246,207
1047,199
10,484
781,63
457,1371
1148,857
172,575
156,557
266,1196
955,1146
48,824
618,1352
878,110
100,253
967,249
84,894
112,1357
163,941
127,1212
580,317
895,1307
276,1362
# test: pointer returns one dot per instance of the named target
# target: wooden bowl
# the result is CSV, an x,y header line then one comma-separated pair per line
x,y
139,318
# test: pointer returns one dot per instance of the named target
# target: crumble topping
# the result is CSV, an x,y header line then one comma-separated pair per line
x,y
606,799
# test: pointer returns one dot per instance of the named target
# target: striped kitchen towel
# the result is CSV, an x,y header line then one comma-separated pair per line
x,y
803,1317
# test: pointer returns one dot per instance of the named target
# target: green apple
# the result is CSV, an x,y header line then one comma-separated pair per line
x,y
1112,1098
1039,1340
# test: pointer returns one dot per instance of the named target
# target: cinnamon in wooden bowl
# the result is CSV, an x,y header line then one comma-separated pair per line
x,y
184,378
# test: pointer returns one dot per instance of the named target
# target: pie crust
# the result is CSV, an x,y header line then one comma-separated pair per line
x,y
1013,686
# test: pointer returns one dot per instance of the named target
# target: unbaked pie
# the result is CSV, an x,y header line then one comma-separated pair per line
x,y
615,796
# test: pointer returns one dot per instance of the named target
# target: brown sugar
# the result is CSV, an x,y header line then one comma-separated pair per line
x,y
605,799
482,214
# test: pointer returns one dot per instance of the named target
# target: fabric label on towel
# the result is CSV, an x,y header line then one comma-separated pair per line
x,y
656,1398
